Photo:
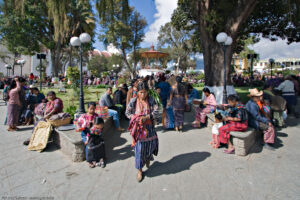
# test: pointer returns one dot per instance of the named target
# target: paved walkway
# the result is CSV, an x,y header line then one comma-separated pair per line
x,y
186,168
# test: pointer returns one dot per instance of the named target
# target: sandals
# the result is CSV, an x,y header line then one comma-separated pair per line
x,y
229,151
139,176
92,164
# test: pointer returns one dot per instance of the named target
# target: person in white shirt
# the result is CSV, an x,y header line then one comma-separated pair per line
x,y
288,93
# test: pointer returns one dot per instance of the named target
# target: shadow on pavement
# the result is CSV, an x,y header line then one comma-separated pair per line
x,y
177,164
114,140
258,146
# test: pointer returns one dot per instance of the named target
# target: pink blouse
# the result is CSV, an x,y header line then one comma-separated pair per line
x,y
14,95
211,100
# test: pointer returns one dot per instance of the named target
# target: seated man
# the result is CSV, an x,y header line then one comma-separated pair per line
x,y
106,100
120,96
257,120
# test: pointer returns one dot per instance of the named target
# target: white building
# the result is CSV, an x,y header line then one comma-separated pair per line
x,y
290,63
30,66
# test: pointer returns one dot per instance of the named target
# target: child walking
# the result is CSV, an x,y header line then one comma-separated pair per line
x,y
215,143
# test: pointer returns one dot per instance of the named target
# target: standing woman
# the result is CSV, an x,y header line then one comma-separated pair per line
x,y
178,99
14,105
142,112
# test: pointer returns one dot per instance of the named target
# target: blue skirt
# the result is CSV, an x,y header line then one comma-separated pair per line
x,y
146,148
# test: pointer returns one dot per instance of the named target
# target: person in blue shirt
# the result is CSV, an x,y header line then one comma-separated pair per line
x,y
192,94
257,120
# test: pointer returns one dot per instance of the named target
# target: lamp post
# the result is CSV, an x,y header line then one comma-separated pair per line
x,y
21,63
41,56
8,67
78,42
225,40
251,56
271,61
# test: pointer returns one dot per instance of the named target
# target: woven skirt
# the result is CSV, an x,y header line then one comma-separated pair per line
x,y
13,111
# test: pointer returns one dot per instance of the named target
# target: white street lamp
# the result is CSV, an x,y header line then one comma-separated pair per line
x,y
225,40
8,68
78,42
21,63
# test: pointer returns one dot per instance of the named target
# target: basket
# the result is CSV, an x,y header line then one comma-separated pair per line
x,y
60,122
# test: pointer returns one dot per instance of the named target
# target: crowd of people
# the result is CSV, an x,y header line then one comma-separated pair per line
x,y
137,102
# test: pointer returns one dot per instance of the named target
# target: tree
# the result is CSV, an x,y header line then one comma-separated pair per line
x,y
179,42
123,27
47,23
238,18
98,64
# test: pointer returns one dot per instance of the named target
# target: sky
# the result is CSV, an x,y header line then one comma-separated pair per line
x,y
158,12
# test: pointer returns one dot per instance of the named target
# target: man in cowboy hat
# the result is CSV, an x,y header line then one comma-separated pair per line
x,y
257,120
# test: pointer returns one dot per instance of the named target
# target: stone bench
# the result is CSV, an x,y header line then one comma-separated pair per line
x,y
243,141
70,142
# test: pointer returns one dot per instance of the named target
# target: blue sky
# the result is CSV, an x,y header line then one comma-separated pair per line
x,y
156,12
146,8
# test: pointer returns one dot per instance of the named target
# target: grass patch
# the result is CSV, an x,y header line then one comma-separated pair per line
x,y
70,98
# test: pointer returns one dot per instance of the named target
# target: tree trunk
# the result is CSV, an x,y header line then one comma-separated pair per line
x,y
55,58
214,63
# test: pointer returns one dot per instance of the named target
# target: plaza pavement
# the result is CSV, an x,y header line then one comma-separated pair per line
x,y
186,168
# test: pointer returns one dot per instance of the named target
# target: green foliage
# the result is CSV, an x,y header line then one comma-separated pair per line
x,y
179,43
200,76
101,86
198,85
97,65
71,110
156,97
73,73
123,27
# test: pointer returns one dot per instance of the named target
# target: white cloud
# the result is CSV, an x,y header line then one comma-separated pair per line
x,y
164,9
277,49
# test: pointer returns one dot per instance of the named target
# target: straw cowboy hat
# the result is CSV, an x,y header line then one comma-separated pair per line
x,y
255,93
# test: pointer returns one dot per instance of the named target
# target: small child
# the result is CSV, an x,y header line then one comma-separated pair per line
x,y
215,143
95,150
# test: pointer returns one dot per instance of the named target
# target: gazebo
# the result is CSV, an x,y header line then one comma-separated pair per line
x,y
152,54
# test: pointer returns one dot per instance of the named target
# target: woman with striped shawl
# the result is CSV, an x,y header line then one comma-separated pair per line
x,y
142,112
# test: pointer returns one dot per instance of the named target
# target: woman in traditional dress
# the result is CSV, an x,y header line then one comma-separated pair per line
x,y
53,106
14,105
142,112
237,120
178,100
208,106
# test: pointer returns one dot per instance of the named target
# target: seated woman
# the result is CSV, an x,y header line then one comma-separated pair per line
x,y
237,120
257,120
53,106
32,99
209,105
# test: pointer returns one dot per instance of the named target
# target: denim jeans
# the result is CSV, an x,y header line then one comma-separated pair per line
x,y
115,115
